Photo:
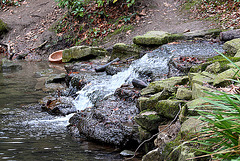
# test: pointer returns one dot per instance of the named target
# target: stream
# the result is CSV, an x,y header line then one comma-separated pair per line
x,y
27,133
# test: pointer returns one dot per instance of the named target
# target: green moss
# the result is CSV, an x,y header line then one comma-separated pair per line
x,y
3,27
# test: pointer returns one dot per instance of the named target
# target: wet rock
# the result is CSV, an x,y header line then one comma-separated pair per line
x,y
110,121
213,68
201,33
127,153
58,106
82,53
149,120
137,83
168,84
8,65
56,78
52,87
102,68
127,93
155,38
232,46
44,73
124,51
168,108
76,81
3,27
111,70
184,64
184,94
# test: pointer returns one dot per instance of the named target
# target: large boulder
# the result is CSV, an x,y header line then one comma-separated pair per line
x,y
82,53
155,38
110,121
232,46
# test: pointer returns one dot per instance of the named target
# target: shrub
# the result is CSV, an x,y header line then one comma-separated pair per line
x,y
222,133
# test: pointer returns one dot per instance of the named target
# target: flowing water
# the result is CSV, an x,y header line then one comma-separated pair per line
x,y
156,62
26,133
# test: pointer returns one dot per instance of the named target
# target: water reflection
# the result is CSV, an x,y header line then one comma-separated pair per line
x,y
26,133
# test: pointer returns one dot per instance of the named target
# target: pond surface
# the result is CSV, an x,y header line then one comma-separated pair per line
x,y
26,133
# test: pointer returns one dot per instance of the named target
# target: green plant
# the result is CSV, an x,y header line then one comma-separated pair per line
x,y
4,3
222,133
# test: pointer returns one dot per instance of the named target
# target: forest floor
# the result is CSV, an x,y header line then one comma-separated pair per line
x,y
29,24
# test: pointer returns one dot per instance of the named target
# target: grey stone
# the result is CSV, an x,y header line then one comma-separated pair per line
x,y
82,52
184,94
213,68
149,120
201,33
123,51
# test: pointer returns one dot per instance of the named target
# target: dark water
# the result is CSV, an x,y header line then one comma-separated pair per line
x,y
26,133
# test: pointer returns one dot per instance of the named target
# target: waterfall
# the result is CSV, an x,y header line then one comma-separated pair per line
x,y
100,89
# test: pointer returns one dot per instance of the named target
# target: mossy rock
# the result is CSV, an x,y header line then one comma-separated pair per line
x,y
3,27
149,120
224,79
237,54
184,94
216,59
156,38
167,84
168,108
145,103
198,91
201,78
232,46
194,105
144,135
150,103
213,68
154,155
82,53
123,51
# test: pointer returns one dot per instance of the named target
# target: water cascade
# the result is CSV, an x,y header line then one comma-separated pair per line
x,y
156,62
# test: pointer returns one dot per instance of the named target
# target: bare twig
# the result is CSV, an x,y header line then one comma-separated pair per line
x,y
156,133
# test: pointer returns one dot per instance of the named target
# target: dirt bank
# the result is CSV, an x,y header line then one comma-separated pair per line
x,y
29,25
